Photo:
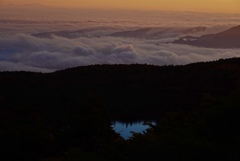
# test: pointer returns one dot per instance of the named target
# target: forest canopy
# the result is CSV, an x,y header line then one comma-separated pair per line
x,y
67,115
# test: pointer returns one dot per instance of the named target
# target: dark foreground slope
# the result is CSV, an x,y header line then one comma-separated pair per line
x,y
226,39
67,115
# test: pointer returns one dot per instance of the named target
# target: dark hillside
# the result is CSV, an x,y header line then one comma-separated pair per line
x,y
66,115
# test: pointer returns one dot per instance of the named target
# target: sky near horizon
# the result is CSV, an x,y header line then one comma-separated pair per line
x,y
224,6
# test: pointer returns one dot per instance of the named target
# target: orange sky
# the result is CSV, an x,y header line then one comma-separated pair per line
x,y
227,6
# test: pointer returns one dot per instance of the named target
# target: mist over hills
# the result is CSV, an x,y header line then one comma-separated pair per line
x,y
147,33
85,32
53,42
226,39
158,33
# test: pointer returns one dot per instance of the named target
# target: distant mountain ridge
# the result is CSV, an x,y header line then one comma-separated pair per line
x,y
226,39
145,32
156,32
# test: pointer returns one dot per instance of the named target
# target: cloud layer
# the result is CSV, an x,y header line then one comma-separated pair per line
x,y
98,38
26,52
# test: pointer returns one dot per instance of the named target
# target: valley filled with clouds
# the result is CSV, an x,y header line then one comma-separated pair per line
x,y
46,44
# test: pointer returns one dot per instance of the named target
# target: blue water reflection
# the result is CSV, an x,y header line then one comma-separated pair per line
x,y
124,129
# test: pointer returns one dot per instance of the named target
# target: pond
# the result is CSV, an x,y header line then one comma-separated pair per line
x,y
124,129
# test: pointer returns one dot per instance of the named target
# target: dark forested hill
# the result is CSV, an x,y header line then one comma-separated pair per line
x,y
67,114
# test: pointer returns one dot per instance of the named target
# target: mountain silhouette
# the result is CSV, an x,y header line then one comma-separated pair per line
x,y
226,39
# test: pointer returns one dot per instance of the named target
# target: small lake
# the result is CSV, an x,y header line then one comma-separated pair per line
x,y
124,129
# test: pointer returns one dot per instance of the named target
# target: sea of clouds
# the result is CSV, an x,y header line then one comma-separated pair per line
x,y
86,40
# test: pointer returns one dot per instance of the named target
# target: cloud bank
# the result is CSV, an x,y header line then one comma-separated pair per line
x,y
77,38
26,52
